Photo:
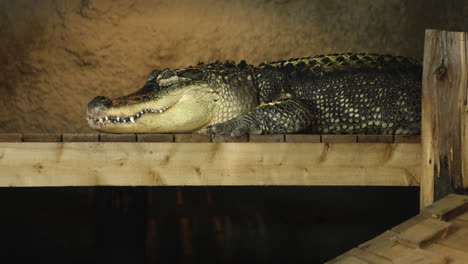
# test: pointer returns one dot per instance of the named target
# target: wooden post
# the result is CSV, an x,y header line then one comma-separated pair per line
x,y
444,115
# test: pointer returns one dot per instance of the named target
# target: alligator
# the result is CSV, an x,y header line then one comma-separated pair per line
x,y
349,93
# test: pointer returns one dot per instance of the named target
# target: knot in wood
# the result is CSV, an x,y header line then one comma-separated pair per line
x,y
441,72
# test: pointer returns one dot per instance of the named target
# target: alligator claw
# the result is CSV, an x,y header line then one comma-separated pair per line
x,y
220,128
235,127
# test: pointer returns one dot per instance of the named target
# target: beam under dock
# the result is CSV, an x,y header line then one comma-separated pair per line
x,y
152,164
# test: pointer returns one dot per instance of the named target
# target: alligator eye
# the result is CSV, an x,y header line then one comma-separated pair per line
x,y
166,74
193,74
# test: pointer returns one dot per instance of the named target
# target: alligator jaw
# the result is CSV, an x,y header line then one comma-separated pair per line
x,y
181,110
97,122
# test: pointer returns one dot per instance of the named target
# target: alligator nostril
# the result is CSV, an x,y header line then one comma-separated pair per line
x,y
99,101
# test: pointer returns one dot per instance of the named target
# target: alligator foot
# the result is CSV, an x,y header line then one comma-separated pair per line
x,y
285,115
238,126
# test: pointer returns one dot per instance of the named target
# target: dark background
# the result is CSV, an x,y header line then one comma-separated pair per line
x,y
57,55
195,224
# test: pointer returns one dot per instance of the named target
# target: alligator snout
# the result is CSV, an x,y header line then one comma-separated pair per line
x,y
99,101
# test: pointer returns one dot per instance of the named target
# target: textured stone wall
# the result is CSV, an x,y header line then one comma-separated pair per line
x,y
56,55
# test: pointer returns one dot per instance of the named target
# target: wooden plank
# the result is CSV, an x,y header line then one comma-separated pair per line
x,y
465,148
407,139
375,138
42,137
419,256
339,138
186,238
117,137
191,138
226,138
409,223
302,138
443,107
464,110
463,217
270,138
453,256
80,137
457,240
459,224
385,245
11,137
155,137
351,260
357,255
449,207
424,233
85,164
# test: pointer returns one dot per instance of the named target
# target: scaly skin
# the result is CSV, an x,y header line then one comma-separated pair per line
x,y
334,94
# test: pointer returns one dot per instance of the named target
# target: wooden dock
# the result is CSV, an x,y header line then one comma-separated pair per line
x,y
186,159
438,235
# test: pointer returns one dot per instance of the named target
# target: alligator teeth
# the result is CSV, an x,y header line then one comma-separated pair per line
x,y
116,119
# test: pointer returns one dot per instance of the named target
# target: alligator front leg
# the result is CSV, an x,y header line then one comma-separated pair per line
x,y
286,115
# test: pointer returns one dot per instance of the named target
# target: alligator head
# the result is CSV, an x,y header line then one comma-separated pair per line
x,y
172,101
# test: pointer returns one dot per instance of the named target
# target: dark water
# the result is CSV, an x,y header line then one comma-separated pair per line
x,y
195,224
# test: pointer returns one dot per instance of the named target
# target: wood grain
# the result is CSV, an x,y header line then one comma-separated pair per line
x,y
457,240
359,256
407,139
11,137
339,138
465,148
292,138
444,102
424,233
155,137
266,138
351,260
302,138
80,137
409,223
117,137
375,138
88,164
448,208
453,256
191,138
42,137
419,240
385,245
226,138
463,217
464,107
419,256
